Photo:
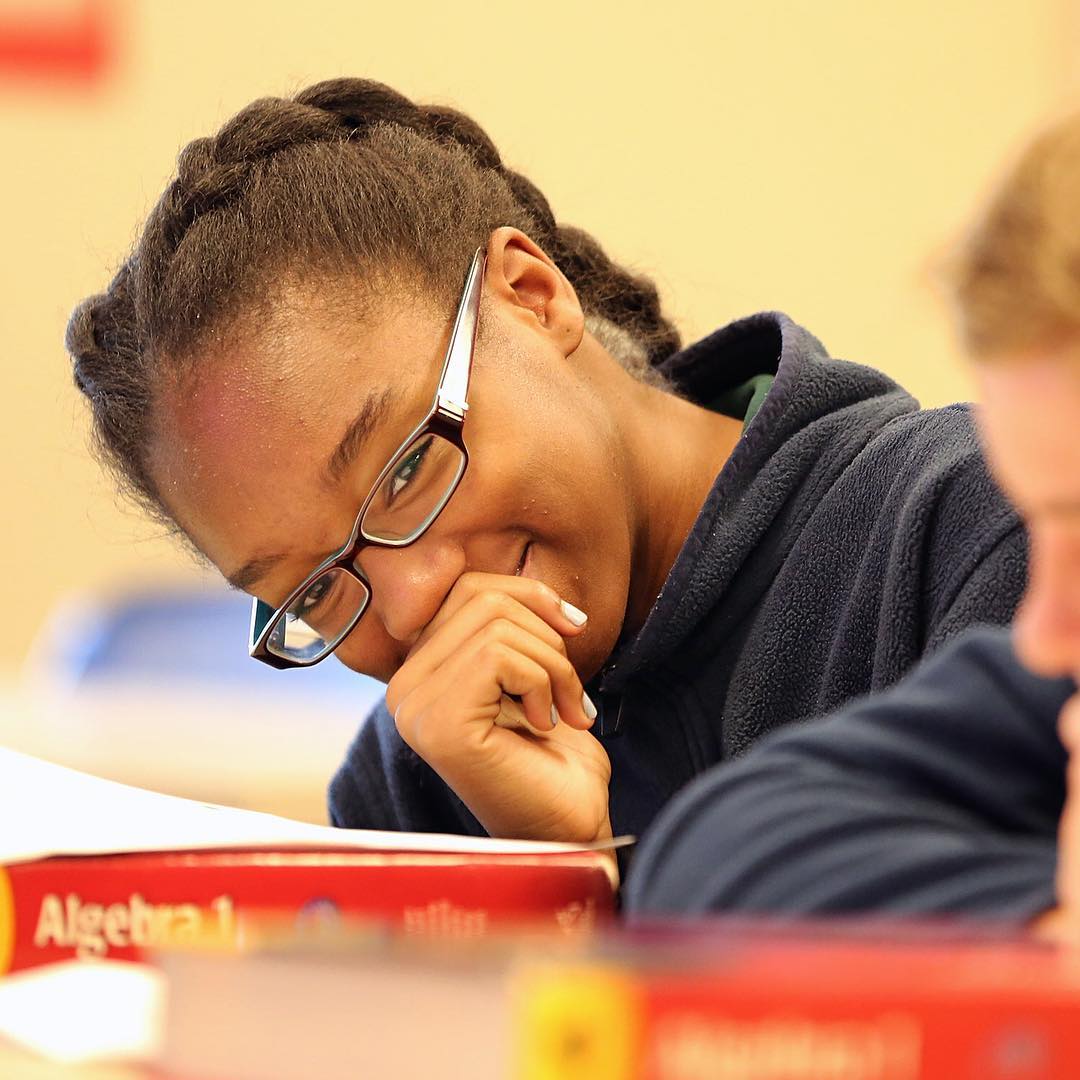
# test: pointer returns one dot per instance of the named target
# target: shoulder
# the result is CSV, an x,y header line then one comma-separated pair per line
x,y
972,699
935,479
933,441
941,795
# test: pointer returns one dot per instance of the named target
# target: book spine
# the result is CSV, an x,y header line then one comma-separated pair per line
x,y
617,1024
122,906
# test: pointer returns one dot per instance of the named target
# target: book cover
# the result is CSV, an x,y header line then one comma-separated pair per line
x,y
699,1002
121,906
791,1008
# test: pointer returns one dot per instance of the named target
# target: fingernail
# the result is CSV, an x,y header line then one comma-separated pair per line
x,y
588,706
554,716
575,615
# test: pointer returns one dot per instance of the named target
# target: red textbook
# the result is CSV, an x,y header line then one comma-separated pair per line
x,y
774,1003
120,906
91,868
715,1000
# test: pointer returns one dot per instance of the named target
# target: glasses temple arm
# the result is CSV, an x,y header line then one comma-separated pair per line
x,y
454,384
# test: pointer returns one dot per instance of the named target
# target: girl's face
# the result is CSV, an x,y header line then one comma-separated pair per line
x,y
1030,421
265,457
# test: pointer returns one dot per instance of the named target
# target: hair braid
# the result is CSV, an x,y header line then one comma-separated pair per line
x,y
107,354
627,300
348,177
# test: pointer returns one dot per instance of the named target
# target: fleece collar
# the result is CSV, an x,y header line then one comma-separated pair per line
x,y
818,412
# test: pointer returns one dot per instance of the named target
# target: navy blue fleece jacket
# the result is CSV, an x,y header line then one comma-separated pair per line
x,y
849,534
939,796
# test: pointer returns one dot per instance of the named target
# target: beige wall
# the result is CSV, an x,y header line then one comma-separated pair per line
x,y
809,155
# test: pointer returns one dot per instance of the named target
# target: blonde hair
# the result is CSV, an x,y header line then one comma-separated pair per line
x,y
1016,280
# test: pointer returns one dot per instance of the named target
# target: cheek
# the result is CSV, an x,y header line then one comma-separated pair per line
x,y
370,651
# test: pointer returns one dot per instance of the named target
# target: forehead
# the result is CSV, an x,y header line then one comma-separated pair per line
x,y
1030,418
242,440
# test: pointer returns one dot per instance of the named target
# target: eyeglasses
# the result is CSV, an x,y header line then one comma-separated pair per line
x,y
408,496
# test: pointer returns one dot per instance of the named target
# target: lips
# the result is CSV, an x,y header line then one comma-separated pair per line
x,y
523,562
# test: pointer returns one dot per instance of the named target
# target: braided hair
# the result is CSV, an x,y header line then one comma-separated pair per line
x,y
348,177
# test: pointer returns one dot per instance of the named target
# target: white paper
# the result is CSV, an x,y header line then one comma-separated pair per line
x,y
46,810
77,1012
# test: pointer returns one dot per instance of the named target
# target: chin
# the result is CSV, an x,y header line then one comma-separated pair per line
x,y
590,650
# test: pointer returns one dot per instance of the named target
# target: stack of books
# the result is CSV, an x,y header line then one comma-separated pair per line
x,y
283,951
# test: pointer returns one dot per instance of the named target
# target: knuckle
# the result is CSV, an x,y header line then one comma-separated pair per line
x,y
545,592
493,602
467,583
403,721
492,653
564,671
496,630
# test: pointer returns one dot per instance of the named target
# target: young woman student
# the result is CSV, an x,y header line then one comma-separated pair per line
x,y
945,794
357,362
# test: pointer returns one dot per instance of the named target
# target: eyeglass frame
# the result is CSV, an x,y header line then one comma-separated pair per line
x,y
445,419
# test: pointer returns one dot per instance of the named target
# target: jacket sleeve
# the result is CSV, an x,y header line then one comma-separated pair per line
x,y
383,784
939,796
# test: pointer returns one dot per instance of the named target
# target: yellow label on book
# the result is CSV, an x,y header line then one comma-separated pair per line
x,y
576,1023
7,921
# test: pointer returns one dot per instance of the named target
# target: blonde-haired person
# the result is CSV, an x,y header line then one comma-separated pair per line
x,y
958,790
342,292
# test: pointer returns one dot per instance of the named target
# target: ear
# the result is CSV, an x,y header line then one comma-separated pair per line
x,y
521,275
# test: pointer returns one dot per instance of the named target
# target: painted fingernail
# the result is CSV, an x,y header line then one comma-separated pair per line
x,y
554,716
575,615
588,706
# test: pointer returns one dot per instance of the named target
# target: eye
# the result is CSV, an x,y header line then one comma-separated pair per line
x,y
406,470
313,598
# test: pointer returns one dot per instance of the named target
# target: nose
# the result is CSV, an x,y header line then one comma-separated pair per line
x,y
1047,627
409,584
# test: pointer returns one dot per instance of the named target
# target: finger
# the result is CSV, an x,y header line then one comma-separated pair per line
x,y
443,717
438,644
485,647
481,611
511,714
539,598
425,660
568,695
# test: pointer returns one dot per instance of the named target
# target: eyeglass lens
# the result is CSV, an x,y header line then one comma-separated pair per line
x,y
421,479
414,491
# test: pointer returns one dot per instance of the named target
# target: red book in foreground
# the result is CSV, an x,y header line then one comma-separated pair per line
x,y
121,905
132,869
710,1001
781,1005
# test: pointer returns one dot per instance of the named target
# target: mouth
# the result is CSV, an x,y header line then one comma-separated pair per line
x,y
523,562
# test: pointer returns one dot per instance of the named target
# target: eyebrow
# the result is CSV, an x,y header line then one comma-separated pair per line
x,y
252,571
372,411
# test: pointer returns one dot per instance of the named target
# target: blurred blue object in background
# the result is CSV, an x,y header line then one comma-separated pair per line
x,y
189,636
154,687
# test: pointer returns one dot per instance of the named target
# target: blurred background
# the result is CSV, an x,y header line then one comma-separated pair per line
x,y
816,156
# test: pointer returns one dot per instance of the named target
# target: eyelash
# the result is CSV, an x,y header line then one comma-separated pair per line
x,y
414,461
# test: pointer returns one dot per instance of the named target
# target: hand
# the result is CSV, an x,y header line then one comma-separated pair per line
x,y
1063,923
519,773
